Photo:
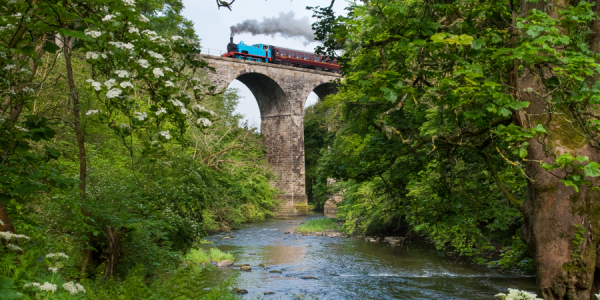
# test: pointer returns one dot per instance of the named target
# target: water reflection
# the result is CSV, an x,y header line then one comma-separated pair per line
x,y
352,268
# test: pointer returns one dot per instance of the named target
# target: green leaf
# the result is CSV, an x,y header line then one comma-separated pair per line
x,y
522,152
51,47
392,97
478,43
363,99
503,111
592,169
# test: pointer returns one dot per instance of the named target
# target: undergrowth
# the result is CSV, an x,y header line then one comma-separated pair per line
x,y
317,225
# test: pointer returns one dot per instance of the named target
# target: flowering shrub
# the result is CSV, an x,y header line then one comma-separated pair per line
x,y
514,294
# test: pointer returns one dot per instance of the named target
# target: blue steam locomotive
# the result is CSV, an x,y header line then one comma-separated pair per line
x,y
279,55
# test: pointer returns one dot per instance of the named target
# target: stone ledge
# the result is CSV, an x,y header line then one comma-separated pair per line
x,y
245,62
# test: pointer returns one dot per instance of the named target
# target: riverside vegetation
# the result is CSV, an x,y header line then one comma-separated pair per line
x,y
116,153
472,123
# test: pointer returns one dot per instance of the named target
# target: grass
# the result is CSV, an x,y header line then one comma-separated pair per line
x,y
217,255
317,225
200,256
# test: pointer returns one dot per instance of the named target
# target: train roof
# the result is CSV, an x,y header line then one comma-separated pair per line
x,y
301,51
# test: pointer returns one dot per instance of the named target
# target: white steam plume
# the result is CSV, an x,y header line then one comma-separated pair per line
x,y
285,25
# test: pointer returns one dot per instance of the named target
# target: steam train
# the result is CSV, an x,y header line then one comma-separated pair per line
x,y
280,55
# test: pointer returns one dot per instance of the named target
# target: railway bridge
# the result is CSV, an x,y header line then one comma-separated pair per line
x,y
281,92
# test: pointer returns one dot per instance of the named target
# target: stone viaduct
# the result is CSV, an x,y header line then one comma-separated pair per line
x,y
281,92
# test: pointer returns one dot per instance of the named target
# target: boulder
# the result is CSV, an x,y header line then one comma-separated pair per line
x,y
226,237
287,232
275,271
239,291
245,268
261,265
224,263
252,253
308,277
241,265
269,293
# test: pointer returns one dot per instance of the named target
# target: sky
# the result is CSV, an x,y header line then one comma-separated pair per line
x,y
212,26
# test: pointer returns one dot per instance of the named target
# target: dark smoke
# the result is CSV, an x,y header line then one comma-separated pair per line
x,y
285,25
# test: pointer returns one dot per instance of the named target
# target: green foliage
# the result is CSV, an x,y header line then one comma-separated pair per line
x,y
317,225
578,240
217,255
198,256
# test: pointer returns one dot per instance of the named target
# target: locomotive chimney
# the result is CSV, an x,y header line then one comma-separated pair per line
x,y
231,47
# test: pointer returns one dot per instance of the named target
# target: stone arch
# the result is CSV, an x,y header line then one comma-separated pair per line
x,y
271,98
325,88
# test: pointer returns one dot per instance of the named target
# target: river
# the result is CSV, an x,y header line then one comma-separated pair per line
x,y
348,268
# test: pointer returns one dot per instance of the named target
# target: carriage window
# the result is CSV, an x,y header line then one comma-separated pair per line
x,y
291,54
318,58
283,52
311,57
298,55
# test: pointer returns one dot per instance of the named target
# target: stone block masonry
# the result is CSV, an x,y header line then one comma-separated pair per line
x,y
281,92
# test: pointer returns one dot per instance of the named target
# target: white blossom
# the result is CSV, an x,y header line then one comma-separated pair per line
x,y
177,103
114,93
204,122
161,111
126,84
31,284
165,134
103,55
92,55
514,294
157,56
184,111
53,270
80,287
17,15
121,45
176,38
73,288
143,18
21,128
158,72
133,30
125,126
92,112
8,67
143,63
14,247
93,33
169,83
168,69
28,90
7,235
47,286
141,116
129,2
25,70
110,83
107,18
57,255
97,85
122,73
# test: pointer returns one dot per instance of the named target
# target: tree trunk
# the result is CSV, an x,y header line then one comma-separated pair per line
x,y
76,116
114,249
553,211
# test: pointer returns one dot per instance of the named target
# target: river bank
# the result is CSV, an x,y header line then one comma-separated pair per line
x,y
352,268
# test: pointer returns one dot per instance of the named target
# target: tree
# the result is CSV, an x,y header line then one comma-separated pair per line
x,y
512,82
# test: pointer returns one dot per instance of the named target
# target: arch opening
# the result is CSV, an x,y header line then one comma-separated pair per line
x,y
271,98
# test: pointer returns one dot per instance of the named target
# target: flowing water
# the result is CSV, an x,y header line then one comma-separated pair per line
x,y
347,268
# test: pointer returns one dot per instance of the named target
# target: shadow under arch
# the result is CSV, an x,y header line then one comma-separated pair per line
x,y
325,89
271,98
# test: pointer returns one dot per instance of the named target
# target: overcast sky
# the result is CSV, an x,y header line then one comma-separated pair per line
x,y
212,26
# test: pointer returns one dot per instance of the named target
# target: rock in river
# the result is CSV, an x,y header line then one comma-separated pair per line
x,y
245,268
275,271
225,263
261,265
240,291
269,293
308,277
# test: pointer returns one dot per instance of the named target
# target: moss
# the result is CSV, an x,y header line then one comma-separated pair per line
x,y
301,208
562,132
